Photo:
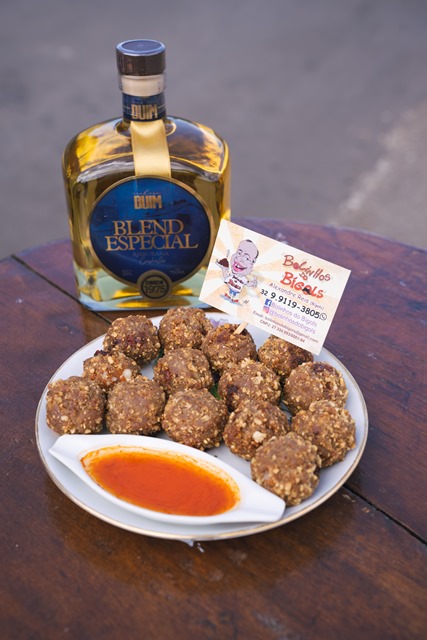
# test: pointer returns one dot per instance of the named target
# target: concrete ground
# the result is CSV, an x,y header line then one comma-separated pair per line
x,y
323,103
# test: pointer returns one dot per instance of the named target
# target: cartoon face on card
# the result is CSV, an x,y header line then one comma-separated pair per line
x,y
237,269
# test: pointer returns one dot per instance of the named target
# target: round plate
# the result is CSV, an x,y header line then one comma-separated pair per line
x,y
331,478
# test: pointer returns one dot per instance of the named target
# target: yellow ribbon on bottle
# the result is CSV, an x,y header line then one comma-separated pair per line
x,y
150,148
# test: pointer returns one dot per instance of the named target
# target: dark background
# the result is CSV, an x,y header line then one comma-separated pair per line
x,y
323,103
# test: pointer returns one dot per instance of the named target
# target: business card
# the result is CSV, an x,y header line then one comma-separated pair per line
x,y
287,292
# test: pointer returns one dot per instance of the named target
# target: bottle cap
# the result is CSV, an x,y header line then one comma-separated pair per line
x,y
141,58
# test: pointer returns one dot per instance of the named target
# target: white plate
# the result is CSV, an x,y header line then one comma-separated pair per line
x,y
331,478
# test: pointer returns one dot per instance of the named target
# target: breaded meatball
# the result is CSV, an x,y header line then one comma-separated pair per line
x,y
282,356
106,369
330,428
135,406
287,466
196,418
249,380
75,405
183,369
313,381
135,336
223,347
183,327
251,425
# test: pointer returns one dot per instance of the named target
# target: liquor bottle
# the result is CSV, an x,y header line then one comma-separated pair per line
x,y
145,193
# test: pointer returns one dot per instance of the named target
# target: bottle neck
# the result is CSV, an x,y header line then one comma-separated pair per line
x,y
143,97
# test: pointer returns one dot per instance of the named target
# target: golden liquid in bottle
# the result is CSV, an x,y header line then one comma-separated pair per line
x,y
101,156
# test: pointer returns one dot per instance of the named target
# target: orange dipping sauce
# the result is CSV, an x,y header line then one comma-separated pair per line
x,y
162,481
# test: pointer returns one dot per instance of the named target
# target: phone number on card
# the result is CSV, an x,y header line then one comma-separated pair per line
x,y
287,302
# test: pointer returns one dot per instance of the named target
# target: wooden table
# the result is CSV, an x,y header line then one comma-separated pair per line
x,y
353,568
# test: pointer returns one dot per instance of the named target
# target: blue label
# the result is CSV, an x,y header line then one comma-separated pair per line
x,y
150,225
144,109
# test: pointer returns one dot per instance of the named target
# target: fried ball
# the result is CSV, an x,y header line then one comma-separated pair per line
x,y
223,347
183,369
252,424
106,369
313,381
196,418
135,406
249,380
135,336
282,356
329,427
287,466
75,405
183,327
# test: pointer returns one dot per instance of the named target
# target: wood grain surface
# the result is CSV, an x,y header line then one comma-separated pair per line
x,y
355,567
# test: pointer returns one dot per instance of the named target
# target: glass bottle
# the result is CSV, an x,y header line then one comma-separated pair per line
x,y
146,193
